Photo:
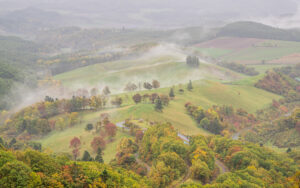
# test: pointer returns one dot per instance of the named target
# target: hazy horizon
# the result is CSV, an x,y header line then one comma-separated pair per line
x,y
163,14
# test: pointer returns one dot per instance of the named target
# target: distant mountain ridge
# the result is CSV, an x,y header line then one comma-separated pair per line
x,y
30,20
257,30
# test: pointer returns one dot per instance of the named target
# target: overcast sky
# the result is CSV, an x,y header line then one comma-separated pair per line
x,y
168,13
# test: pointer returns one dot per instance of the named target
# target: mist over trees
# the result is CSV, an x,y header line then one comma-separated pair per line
x,y
119,97
192,61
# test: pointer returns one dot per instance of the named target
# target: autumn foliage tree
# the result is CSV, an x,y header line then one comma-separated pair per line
x,y
139,135
75,145
130,87
106,90
137,98
147,85
98,142
155,84
110,129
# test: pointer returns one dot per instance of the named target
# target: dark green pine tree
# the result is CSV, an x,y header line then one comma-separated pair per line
x,y
190,86
86,156
1,141
288,150
171,93
104,175
158,105
99,157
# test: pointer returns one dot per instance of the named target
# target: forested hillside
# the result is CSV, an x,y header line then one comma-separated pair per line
x,y
257,30
18,67
165,159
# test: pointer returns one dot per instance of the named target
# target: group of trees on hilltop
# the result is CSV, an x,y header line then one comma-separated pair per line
x,y
36,119
93,92
133,87
155,84
192,61
159,101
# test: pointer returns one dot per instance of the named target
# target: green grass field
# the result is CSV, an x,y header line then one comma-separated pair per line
x,y
205,93
213,52
58,141
281,48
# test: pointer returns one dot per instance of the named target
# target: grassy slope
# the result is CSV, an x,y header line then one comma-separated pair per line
x,y
58,141
205,93
167,69
283,48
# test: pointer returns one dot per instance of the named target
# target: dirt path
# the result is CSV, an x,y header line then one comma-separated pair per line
x,y
222,166
236,135
186,177
138,160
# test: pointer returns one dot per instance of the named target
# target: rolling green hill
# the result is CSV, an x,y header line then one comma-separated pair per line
x,y
258,30
205,93
168,69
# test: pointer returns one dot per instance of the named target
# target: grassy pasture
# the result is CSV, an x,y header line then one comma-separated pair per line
x,y
58,141
250,51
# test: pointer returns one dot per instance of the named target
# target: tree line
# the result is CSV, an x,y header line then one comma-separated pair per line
x,y
223,120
